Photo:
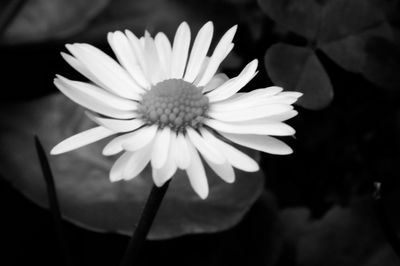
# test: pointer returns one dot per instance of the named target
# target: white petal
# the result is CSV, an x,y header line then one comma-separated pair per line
x,y
115,124
117,170
196,173
215,82
202,70
109,72
224,171
161,146
132,141
126,56
154,69
272,90
232,86
272,128
235,157
82,139
139,138
219,54
207,150
137,162
199,51
261,143
180,51
183,160
77,65
98,94
138,49
242,114
283,116
162,175
164,51
95,99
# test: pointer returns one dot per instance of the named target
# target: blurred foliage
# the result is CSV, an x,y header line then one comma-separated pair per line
x,y
351,33
343,236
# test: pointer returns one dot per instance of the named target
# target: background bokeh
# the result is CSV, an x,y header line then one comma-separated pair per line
x,y
316,206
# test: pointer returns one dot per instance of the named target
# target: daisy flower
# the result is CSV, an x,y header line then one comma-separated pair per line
x,y
167,105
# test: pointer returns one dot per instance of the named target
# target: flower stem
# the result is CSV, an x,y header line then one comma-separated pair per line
x,y
53,202
133,251
387,226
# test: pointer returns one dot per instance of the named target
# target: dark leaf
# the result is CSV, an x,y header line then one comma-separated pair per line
x,y
86,195
344,236
382,63
298,68
299,16
42,20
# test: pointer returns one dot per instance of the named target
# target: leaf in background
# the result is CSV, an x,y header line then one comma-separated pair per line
x,y
42,20
298,68
89,199
382,63
298,16
344,236
341,29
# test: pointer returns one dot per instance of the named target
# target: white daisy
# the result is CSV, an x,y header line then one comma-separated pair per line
x,y
167,106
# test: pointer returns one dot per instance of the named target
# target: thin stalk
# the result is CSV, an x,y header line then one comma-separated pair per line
x,y
387,226
53,202
133,251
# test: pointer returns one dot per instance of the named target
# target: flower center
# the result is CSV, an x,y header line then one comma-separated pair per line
x,y
174,103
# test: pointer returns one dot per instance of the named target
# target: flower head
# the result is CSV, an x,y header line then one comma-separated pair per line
x,y
167,106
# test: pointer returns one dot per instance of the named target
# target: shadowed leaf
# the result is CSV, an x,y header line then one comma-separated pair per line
x,y
298,68
86,195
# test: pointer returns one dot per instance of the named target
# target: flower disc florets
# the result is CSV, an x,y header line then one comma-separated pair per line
x,y
174,103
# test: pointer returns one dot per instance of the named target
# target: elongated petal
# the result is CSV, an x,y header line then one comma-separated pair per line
x,y
199,51
155,71
215,82
131,141
162,175
109,72
207,150
140,138
249,113
137,162
273,128
82,139
183,159
117,170
138,49
115,124
95,99
196,173
235,157
77,65
261,143
224,171
164,50
219,54
126,56
232,86
161,146
180,51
